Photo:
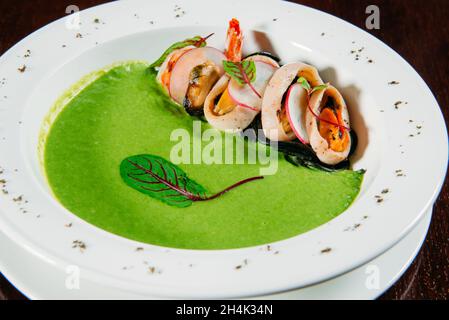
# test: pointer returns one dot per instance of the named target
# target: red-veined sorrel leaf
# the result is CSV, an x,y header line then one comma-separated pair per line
x,y
162,180
244,72
195,41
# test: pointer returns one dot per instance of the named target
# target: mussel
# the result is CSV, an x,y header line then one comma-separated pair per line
x,y
201,80
328,126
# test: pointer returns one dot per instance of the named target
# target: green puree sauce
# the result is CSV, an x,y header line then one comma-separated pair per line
x,y
124,113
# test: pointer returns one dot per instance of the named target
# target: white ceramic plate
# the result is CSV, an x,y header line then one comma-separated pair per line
x,y
366,282
59,58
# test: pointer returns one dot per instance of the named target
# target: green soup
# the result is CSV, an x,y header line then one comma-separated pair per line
x,y
123,113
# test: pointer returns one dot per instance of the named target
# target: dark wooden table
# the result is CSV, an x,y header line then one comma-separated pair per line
x,y
418,30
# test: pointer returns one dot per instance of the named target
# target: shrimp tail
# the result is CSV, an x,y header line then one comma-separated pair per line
x,y
234,41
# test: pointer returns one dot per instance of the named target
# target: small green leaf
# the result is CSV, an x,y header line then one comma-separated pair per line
x,y
317,88
197,41
304,83
243,72
250,69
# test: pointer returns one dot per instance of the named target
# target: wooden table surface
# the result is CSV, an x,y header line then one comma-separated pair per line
x,y
417,30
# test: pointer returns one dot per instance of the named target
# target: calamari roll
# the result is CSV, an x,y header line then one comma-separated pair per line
x,y
285,103
231,106
188,70
328,126
165,70
189,73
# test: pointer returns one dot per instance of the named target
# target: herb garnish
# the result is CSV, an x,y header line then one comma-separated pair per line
x,y
79,244
400,173
197,41
326,250
353,228
397,104
306,86
162,180
18,199
240,266
244,72
154,270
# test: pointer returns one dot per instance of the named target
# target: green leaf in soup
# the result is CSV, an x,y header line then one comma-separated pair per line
x,y
160,179
163,180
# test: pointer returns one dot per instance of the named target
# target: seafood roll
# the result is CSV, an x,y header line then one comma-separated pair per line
x,y
285,102
328,126
165,70
233,104
189,69
193,76
188,74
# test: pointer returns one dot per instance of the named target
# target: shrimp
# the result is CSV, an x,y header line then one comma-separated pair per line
x,y
234,41
188,74
231,106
